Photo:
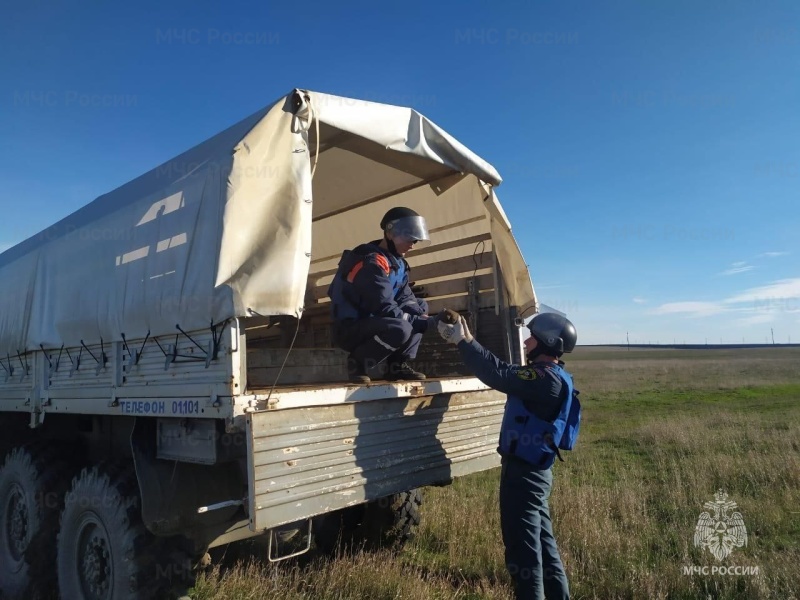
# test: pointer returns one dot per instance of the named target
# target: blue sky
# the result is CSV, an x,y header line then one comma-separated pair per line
x,y
649,149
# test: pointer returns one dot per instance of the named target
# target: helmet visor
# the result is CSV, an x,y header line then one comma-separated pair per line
x,y
410,229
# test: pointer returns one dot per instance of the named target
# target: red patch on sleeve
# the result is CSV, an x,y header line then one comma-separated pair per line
x,y
383,263
354,271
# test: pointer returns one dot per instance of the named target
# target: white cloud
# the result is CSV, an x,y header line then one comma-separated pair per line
x,y
772,254
757,319
778,290
609,323
639,300
691,309
761,303
738,267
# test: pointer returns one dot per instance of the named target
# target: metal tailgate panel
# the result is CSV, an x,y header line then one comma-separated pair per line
x,y
309,461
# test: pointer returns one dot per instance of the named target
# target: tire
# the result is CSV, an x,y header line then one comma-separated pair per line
x,y
33,481
387,523
104,550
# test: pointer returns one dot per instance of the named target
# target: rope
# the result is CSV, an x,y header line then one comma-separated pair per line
x,y
474,254
288,352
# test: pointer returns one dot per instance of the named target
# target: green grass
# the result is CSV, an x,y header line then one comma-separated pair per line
x,y
662,431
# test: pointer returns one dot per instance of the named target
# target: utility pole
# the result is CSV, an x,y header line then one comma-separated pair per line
x,y
628,337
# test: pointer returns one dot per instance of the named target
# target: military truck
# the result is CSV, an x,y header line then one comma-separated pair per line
x,y
168,382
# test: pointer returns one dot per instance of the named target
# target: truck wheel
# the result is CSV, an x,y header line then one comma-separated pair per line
x,y
391,522
104,550
33,480
386,523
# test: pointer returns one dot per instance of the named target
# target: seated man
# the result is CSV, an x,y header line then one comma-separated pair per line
x,y
376,316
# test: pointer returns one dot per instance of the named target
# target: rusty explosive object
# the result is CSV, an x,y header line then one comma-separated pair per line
x,y
449,316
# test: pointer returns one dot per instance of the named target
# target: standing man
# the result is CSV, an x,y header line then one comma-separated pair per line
x,y
376,316
542,414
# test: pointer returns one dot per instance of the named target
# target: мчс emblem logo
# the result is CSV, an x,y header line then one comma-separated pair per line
x,y
724,530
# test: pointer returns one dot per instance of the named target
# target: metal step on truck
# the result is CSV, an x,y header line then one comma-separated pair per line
x,y
168,382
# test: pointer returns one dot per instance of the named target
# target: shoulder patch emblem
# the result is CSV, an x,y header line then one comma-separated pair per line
x,y
383,263
527,374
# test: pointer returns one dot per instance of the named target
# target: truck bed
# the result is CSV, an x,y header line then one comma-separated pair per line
x,y
313,448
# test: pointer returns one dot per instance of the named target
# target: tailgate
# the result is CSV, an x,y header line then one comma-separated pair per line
x,y
309,460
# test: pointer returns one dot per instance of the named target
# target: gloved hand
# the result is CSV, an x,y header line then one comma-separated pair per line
x,y
456,332
419,291
445,315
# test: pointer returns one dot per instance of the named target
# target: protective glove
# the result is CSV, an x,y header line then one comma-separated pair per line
x,y
446,315
456,332
467,333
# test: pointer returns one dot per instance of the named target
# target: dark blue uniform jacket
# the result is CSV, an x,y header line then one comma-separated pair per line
x,y
372,282
539,387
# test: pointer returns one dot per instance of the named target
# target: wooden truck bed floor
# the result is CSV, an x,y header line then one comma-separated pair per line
x,y
316,394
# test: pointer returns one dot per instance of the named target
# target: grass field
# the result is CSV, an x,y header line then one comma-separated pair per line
x,y
662,431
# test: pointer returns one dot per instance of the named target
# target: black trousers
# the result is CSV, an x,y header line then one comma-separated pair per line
x,y
373,340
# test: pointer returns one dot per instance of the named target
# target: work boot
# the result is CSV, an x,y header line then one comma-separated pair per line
x,y
402,370
356,372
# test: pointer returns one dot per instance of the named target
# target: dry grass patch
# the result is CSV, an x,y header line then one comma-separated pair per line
x,y
662,432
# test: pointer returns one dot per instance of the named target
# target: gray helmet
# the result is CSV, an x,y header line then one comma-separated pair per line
x,y
556,333
402,221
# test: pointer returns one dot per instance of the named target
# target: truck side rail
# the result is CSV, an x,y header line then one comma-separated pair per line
x,y
195,374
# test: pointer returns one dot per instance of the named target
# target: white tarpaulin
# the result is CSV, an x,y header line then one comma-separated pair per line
x,y
225,229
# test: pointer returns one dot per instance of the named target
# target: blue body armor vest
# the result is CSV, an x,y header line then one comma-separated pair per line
x,y
534,440
397,277
342,292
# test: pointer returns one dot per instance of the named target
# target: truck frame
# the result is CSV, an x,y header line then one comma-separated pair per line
x,y
168,383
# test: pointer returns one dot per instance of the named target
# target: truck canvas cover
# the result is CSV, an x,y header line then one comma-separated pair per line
x,y
247,223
